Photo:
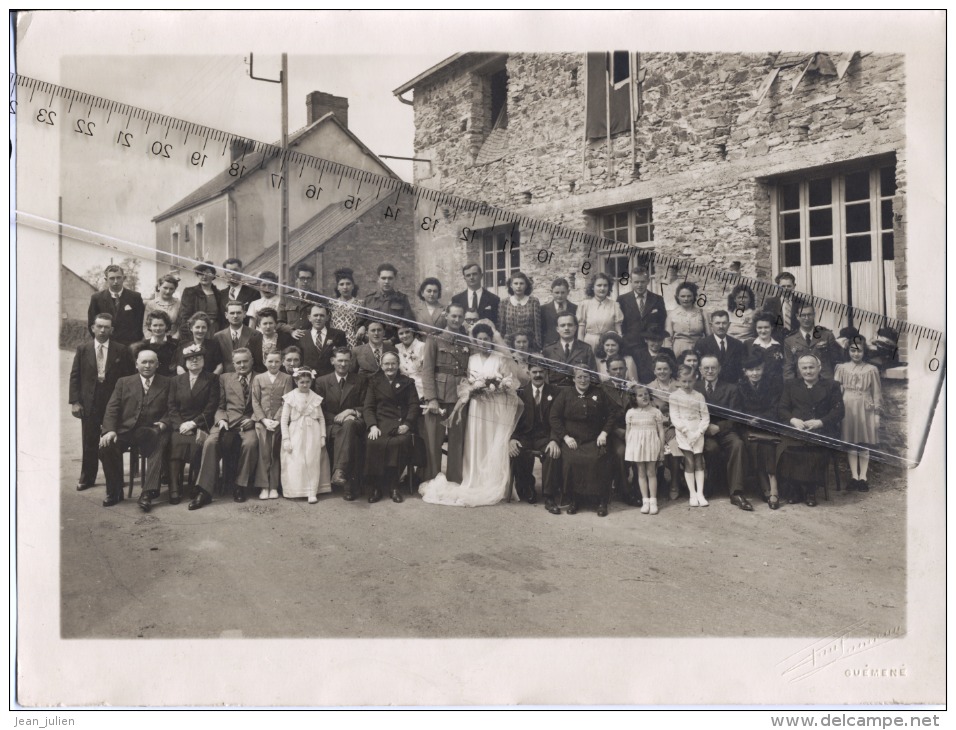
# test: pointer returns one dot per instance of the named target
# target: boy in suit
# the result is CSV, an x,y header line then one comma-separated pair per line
x,y
267,391
97,366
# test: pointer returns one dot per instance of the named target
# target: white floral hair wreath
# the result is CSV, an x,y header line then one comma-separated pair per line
x,y
304,371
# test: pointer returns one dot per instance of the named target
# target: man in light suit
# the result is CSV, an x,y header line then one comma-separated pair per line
x,y
343,399
320,342
568,353
234,423
729,351
235,290
236,336
125,306
476,297
135,416
97,366
642,309
559,304
367,358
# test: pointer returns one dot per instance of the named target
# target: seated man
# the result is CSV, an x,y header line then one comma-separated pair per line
x,y
135,416
812,404
234,422
343,398
721,436
533,433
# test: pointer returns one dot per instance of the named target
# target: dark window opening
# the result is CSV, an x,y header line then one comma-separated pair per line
x,y
620,66
821,252
858,249
791,254
499,99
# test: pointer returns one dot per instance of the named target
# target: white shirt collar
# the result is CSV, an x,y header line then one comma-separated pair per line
x,y
146,382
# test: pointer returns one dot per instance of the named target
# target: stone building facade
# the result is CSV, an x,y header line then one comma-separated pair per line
x,y
791,161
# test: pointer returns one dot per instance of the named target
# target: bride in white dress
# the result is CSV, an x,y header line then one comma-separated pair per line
x,y
493,412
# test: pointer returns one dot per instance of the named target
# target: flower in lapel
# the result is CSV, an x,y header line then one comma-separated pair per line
x,y
397,386
549,397
327,342
594,398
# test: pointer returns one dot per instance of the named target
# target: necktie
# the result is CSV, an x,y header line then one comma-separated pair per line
x,y
567,352
786,313
474,301
640,304
723,349
245,387
100,363
378,356
235,338
115,304
537,396
146,384
710,388
315,339
809,341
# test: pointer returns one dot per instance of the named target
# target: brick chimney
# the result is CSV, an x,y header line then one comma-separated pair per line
x,y
318,104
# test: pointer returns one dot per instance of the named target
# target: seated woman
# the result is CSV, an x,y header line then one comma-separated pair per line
x,y
581,419
611,345
193,400
813,405
760,396
200,329
741,304
391,414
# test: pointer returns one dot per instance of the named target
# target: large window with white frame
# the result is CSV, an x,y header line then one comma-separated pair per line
x,y
633,225
834,233
500,256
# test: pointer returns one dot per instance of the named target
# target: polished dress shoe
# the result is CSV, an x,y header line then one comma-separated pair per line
x,y
239,494
552,507
339,479
397,496
375,496
112,499
532,497
741,501
601,510
80,486
201,499
144,503
573,509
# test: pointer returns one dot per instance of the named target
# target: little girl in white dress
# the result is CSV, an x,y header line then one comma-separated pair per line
x,y
691,417
644,446
305,463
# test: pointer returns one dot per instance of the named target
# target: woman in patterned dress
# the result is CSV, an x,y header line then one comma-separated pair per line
x,y
685,323
346,309
863,403
521,310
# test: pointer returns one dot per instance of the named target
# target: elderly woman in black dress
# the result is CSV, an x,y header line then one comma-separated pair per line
x,y
581,419
760,397
391,414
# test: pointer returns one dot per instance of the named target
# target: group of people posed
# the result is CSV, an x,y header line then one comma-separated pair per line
x,y
305,393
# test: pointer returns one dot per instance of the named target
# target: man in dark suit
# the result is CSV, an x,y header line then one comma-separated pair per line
x,y
476,297
343,398
559,304
729,351
721,436
320,341
367,358
568,353
136,416
533,433
235,290
97,366
642,310
644,360
125,306
782,308
621,393
236,336
234,435
814,405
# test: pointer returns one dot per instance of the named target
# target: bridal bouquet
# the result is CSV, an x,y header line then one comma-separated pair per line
x,y
477,388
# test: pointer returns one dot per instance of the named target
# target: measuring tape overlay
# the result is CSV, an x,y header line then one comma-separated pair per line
x,y
122,137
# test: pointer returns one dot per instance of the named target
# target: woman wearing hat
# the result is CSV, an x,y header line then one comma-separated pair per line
x,y
200,333
304,461
193,399
760,395
203,297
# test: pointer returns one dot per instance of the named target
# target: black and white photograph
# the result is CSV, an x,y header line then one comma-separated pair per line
x,y
601,352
